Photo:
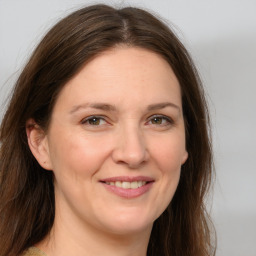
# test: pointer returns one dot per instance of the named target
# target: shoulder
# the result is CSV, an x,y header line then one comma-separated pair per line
x,y
33,251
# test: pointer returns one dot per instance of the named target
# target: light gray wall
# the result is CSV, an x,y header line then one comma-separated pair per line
x,y
221,35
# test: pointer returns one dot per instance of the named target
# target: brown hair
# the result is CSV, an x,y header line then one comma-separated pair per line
x,y
26,190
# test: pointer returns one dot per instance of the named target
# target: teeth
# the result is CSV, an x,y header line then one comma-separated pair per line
x,y
127,184
118,184
134,184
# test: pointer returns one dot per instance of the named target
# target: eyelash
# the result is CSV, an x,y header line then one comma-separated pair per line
x,y
98,119
168,120
90,118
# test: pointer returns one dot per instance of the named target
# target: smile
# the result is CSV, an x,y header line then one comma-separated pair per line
x,y
127,184
128,187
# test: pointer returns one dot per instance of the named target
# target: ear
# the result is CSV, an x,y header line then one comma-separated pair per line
x,y
38,144
185,157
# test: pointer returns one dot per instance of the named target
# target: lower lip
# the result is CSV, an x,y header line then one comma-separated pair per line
x,y
128,193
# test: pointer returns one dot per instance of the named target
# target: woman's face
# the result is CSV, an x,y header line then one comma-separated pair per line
x,y
116,142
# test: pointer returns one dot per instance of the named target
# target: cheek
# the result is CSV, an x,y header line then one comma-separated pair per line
x,y
78,155
169,158
170,153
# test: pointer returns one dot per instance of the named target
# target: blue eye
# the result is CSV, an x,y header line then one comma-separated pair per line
x,y
94,120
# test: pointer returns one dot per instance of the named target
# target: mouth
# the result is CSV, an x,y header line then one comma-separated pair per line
x,y
128,187
127,184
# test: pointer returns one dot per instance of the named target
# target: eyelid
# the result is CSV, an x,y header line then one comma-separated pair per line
x,y
84,120
167,118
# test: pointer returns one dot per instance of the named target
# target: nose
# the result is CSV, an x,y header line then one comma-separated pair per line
x,y
130,148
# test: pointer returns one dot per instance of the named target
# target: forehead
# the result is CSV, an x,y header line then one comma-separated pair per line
x,y
123,75
130,61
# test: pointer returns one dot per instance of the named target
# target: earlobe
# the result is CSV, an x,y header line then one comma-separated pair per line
x,y
185,157
38,144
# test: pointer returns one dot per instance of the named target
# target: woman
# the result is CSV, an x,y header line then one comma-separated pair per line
x,y
104,146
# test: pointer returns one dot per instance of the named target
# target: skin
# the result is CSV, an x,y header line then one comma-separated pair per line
x,y
121,115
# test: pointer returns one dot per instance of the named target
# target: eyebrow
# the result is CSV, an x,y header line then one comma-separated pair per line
x,y
100,106
162,105
108,107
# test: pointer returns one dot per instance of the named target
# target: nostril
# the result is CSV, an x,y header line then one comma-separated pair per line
x,y
130,148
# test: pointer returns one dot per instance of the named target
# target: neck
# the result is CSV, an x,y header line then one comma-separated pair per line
x,y
73,238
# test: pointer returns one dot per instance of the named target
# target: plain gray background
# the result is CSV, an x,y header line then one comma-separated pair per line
x,y
221,36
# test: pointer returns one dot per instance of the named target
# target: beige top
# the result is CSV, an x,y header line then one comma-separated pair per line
x,y
33,251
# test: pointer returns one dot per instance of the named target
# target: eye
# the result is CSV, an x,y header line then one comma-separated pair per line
x,y
160,120
94,121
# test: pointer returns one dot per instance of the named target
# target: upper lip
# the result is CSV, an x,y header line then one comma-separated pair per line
x,y
128,179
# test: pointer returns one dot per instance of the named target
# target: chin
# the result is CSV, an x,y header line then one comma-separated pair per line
x,y
125,224
124,230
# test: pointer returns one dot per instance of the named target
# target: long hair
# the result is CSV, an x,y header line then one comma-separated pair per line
x,y
26,189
